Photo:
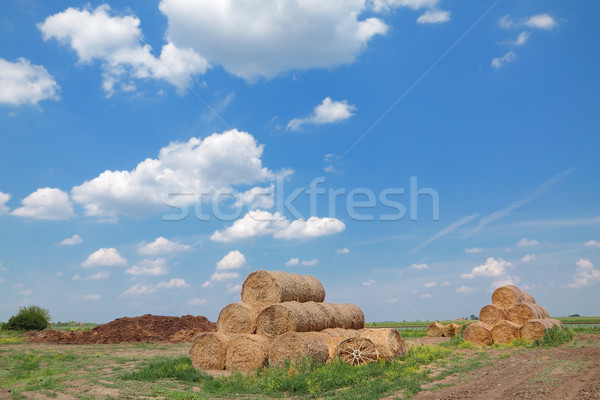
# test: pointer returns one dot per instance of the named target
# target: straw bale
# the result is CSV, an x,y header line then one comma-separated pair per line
x,y
479,334
237,318
505,331
295,345
452,330
535,328
509,296
247,352
208,350
523,312
263,288
492,315
388,341
435,329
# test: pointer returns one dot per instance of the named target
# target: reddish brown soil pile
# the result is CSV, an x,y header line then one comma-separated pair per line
x,y
147,328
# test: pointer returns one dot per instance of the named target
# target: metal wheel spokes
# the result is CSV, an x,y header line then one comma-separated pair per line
x,y
356,351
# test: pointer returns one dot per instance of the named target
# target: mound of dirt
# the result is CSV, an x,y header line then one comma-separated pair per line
x,y
147,328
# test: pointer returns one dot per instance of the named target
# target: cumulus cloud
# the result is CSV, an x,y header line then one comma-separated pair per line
x,y
586,275
144,289
97,277
292,262
161,246
522,38
311,228
310,263
526,242
500,62
418,266
115,42
593,243
24,83
92,297
73,240
179,176
434,17
233,260
387,5
46,203
257,197
149,267
105,257
506,280
345,250
473,250
528,258
254,39
233,289
327,112
4,198
491,269
465,290
539,21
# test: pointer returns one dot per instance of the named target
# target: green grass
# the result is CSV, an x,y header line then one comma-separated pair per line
x,y
180,369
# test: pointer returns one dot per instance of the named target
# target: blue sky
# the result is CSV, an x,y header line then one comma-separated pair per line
x,y
153,155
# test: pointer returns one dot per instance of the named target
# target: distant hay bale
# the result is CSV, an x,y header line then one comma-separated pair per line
x,y
435,329
247,352
451,330
208,350
295,345
388,341
479,334
509,296
535,328
263,288
523,312
293,316
237,318
505,331
492,315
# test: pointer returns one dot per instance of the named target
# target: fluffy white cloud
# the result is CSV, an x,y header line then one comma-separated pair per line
x,y
292,261
418,266
115,42
143,289
24,83
46,203
434,17
539,21
345,250
73,240
97,277
310,263
526,242
92,297
221,276
311,228
586,275
149,268
257,197
182,173
522,38
327,112
233,260
253,38
473,250
386,5
528,258
500,62
161,246
233,289
465,290
4,198
370,282
506,280
105,257
593,243
491,269
430,284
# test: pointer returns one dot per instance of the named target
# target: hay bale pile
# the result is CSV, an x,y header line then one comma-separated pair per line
x,y
282,317
437,329
513,314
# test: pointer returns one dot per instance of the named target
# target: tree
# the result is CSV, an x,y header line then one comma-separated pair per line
x,y
473,317
32,318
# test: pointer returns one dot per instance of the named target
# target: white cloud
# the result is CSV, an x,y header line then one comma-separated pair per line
x,y
528,258
26,292
233,289
434,17
253,39
149,268
345,250
221,276
586,275
115,42
370,282
92,297
292,261
526,242
4,198
522,38
500,62
46,203
418,266
143,289
181,173
430,284
161,246
327,112
465,290
539,21
506,280
473,250
310,263
257,197
73,240
24,83
491,269
386,5
312,228
99,276
425,295
105,257
593,243
233,260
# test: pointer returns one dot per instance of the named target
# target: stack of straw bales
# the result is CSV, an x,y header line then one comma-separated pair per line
x,y
437,329
282,316
513,314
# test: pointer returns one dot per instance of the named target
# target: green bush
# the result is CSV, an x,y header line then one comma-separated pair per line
x,y
32,318
554,337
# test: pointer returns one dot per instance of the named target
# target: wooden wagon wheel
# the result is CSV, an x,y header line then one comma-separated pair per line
x,y
356,351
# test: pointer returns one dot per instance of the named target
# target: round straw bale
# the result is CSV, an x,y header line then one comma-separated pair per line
x,y
523,312
237,318
509,296
435,329
492,315
294,345
292,316
341,332
451,330
263,288
535,328
247,352
479,334
505,331
208,350
388,341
